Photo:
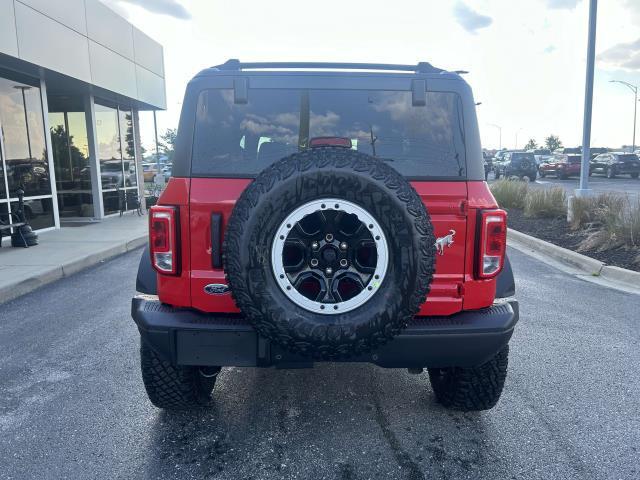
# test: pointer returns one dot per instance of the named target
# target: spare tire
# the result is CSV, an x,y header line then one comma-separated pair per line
x,y
329,252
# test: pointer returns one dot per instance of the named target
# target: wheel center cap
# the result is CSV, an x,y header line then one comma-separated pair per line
x,y
329,254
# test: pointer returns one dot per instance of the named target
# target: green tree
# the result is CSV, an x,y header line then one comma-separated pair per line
x,y
168,142
552,142
531,144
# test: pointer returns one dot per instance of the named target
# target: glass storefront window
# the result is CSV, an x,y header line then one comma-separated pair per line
x,y
39,212
25,155
108,135
128,147
117,150
71,162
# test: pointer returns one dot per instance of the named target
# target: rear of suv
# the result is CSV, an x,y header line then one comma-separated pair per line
x,y
615,163
326,212
517,164
561,166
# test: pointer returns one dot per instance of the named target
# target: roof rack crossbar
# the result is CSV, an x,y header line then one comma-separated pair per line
x,y
235,65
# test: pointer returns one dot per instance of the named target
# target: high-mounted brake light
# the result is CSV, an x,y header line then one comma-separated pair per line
x,y
493,243
330,142
163,239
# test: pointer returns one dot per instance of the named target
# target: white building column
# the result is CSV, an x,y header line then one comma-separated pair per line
x,y
94,156
138,149
47,139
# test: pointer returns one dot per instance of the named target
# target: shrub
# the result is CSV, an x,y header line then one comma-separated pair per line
x,y
544,203
510,193
616,220
589,210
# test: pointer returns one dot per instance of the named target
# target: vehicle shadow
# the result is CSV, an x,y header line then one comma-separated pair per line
x,y
316,423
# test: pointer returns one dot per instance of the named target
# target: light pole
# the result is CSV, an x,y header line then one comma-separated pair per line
x,y
517,132
588,104
500,130
634,89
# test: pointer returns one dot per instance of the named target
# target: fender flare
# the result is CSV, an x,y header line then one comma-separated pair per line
x,y
506,284
147,279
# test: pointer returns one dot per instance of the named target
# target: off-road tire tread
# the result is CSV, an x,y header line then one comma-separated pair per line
x,y
471,389
172,387
272,322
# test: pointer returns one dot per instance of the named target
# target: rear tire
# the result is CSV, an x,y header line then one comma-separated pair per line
x,y
610,173
473,388
635,175
174,387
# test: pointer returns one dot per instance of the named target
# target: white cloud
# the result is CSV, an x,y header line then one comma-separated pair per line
x,y
469,19
622,55
172,8
562,3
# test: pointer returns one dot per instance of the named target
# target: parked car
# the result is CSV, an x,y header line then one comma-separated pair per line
x,y
149,171
595,151
561,166
540,154
329,248
615,163
517,164
568,150
487,161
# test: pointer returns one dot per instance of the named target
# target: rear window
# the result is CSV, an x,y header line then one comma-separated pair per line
x,y
518,157
575,159
239,140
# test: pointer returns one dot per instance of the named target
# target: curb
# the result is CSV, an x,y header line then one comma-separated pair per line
x,y
621,275
577,260
588,265
57,272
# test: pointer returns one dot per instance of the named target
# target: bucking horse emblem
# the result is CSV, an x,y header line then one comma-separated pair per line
x,y
445,241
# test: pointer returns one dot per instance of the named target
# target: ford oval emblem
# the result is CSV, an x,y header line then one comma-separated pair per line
x,y
216,289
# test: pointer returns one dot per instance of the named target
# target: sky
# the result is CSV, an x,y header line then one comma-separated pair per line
x,y
526,59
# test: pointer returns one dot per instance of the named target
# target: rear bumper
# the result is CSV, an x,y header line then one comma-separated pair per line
x,y
189,337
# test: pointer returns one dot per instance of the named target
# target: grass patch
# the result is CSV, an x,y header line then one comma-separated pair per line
x,y
542,203
510,193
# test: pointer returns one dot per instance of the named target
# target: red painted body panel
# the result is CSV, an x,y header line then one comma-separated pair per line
x,y
477,293
176,290
451,205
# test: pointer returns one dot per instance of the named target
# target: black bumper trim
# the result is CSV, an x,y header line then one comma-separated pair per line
x,y
189,337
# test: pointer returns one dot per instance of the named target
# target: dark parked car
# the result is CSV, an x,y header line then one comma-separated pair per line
x,y
562,166
517,164
615,163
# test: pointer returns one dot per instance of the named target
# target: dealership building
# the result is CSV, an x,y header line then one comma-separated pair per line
x,y
74,76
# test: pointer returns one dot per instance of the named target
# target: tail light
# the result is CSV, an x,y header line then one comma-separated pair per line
x,y
493,242
163,239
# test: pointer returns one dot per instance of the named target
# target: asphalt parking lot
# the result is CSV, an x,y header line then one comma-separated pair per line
x,y
72,404
623,184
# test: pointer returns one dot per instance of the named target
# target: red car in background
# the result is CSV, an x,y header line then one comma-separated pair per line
x,y
561,165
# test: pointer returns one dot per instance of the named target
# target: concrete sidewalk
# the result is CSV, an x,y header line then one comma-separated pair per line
x,y
66,251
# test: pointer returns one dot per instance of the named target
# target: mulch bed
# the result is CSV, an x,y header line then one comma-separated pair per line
x,y
557,231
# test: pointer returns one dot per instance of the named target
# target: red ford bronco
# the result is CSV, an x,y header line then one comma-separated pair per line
x,y
326,212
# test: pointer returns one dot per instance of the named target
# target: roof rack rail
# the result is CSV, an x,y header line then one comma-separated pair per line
x,y
236,65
